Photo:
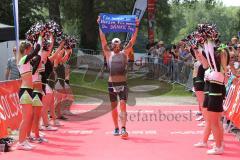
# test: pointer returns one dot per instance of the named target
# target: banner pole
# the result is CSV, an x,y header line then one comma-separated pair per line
x,y
16,22
151,20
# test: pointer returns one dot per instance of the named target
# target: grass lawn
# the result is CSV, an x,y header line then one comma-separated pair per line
x,y
84,85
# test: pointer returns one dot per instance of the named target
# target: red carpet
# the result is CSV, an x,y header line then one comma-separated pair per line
x,y
153,140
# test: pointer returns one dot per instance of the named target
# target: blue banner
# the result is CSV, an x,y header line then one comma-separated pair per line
x,y
117,23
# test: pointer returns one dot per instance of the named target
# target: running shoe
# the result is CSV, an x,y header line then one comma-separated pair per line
x,y
24,146
199,114
31,138
63,118
200,118
215,151
116,132
57,123
200,145
124,133
41,134
41,140
29,144
49,128
202,124
211,137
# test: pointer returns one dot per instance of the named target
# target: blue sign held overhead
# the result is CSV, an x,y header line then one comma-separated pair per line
x,y
117,23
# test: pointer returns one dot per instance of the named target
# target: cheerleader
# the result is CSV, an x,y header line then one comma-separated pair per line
x,y
39,79
218,60
59,83
198,77
26,53
48,99
207,130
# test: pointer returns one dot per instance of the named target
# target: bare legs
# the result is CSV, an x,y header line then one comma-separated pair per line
x,y
207,129
200,99
123,115
26,124
36,119
48,105
114,113
216,127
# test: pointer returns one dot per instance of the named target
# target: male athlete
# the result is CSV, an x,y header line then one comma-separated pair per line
x,y
117,82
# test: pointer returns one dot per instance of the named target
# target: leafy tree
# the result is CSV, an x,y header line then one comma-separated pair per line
x,y
29,13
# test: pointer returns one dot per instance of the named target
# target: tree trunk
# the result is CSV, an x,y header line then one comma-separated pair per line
x,y
54,10
89,33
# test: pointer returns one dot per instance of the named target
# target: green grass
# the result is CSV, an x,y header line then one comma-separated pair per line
x,y
84,85
88,81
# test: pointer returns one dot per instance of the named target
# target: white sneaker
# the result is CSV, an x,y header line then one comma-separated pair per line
x,y
211,137
50,128
41,140
200,118
200,145
24,146
41,134
57,123
202,124
215,151
29,144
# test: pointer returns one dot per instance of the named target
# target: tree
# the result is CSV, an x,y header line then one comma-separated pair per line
x,y
54,10
200,12
29,13
163,20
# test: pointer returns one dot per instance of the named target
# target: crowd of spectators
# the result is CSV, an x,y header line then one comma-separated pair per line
x,y
174,63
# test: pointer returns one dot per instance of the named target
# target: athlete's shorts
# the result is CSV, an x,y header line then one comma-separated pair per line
x,y
198,84
25,95
37,99
206,92
216,96
118,89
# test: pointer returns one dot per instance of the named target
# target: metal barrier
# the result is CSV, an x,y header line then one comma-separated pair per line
x,y
170,70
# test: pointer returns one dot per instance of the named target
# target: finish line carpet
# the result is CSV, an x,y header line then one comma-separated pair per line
x,y
151,136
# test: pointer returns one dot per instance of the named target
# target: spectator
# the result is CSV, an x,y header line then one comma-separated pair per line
x,y
175,51
167,61
12,71
234,42
167,56
160,51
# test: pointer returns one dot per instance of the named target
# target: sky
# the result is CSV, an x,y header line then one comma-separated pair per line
x,y
231,2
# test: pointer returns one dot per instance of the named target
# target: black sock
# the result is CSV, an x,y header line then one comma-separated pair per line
x,y
124,128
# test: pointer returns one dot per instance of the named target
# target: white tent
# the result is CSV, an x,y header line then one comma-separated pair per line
x,y
7,42
6,32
